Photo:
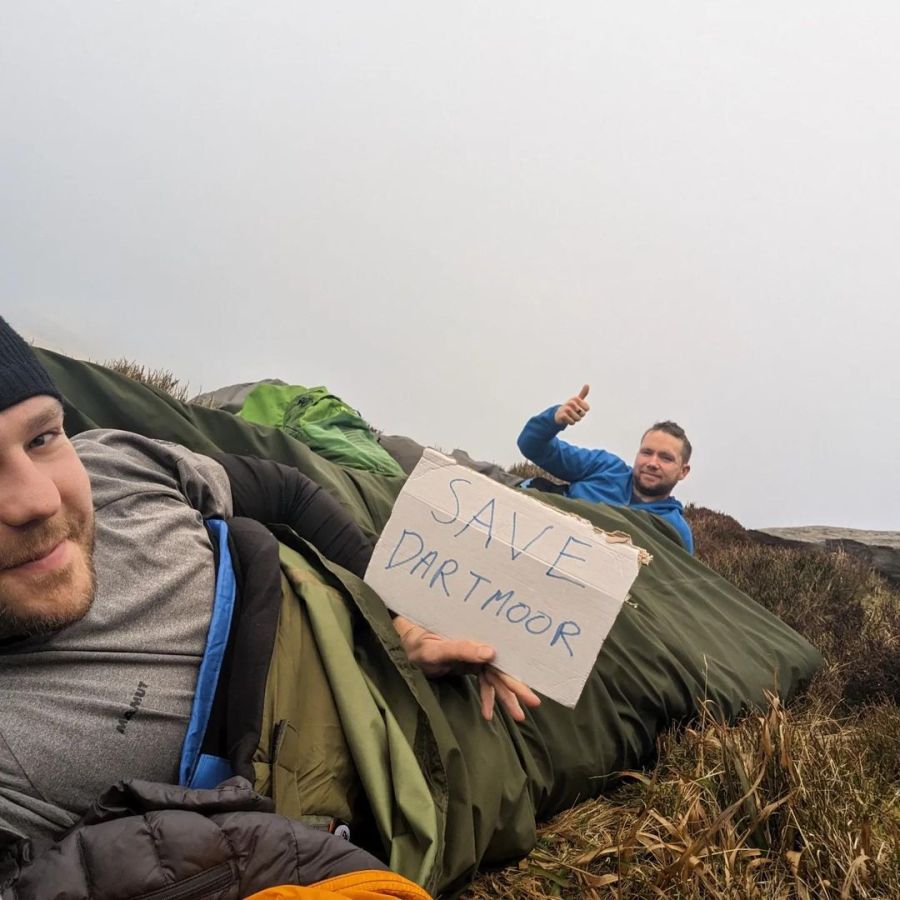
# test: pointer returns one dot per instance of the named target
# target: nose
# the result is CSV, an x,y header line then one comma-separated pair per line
x,y
28,493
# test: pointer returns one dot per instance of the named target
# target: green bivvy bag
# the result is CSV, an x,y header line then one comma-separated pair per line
x,y
323,421
447,792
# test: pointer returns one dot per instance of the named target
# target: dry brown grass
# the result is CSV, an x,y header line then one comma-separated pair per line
x,y
158,378
793,803
782,805
530,470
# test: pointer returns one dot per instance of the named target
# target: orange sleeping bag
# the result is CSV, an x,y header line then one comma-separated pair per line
x,y
364,885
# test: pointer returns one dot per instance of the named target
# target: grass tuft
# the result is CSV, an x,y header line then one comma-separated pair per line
x,y
162,379
782,804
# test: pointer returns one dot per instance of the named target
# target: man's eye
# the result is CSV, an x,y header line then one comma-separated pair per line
x,y
42,440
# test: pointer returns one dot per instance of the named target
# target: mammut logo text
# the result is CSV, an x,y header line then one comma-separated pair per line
x,y
133,707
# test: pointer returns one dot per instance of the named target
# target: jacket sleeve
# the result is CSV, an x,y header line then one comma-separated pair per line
x,y
272,493
539,443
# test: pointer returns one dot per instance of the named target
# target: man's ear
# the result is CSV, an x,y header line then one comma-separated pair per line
x,y
684,472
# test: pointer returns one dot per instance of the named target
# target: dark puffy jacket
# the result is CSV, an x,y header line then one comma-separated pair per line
x,y
148,840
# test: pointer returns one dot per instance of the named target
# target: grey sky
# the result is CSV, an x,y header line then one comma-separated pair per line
x,y
456,214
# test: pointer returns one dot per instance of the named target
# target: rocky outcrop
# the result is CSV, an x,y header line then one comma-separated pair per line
x,y
880,549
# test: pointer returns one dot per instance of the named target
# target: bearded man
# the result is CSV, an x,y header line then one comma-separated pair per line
x,y
599,476
139,592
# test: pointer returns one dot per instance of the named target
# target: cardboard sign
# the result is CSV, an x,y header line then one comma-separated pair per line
x,y
467,557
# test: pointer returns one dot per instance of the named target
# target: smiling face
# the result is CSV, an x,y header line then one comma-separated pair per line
x,y
46,522
659,465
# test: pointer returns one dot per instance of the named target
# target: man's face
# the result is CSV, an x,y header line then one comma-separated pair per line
x,y
46,522
659,465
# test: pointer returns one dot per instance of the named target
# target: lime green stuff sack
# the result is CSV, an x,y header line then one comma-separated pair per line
x,y
323,421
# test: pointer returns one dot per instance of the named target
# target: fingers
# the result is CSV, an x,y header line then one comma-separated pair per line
x,y
486,690
414,640
574,409
578,402
438,656
406,630
569,415
511,693
524,693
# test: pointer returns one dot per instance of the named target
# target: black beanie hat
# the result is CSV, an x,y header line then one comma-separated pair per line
x,y
21,375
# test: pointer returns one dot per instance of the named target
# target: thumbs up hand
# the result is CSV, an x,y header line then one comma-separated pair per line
x,y
574,409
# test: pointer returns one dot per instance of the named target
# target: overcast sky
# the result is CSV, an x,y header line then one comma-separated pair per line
x,y
454,215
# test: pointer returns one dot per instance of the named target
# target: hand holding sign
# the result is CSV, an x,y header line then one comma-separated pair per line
x,y
436,656
465,557
574,409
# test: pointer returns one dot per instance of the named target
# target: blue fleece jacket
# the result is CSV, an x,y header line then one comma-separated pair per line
x,y
594,475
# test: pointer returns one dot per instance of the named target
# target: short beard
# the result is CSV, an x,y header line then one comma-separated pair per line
x,y
41,623
661,489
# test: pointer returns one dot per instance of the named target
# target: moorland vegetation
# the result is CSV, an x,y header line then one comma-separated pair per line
x,y
788,802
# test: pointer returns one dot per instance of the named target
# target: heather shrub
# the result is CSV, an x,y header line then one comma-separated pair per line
x,y
871,664
713,531
834,600
820,595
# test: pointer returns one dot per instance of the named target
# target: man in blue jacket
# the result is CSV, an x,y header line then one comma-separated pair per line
x,y
602,477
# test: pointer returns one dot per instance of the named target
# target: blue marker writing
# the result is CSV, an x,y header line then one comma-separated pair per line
x,y
512,542
455,516
562,553
489,524
406,533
